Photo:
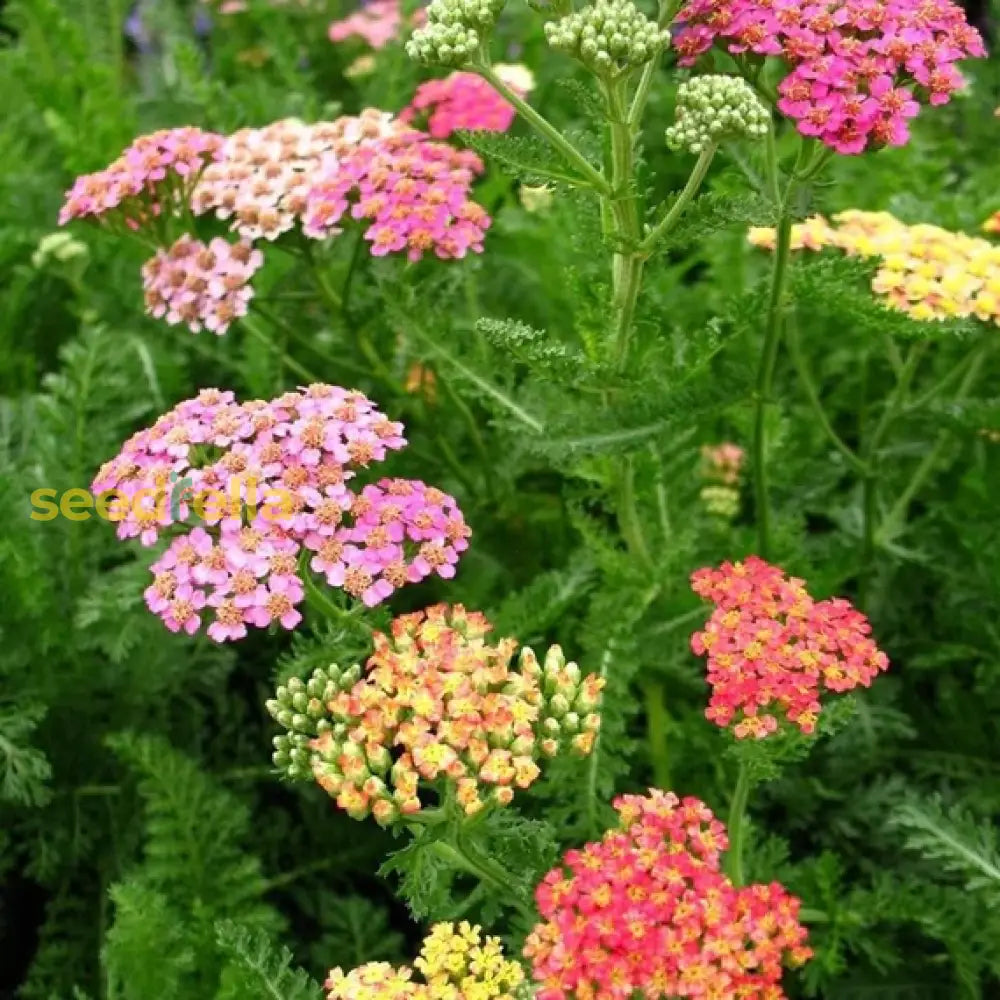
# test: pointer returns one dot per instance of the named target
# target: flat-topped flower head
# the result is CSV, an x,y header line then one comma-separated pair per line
x,y
466,101
456,962
437,703
263,177
712,109
773,650
927,272
377,22
152,176
859,69
413,193
272,486
647,911
610,37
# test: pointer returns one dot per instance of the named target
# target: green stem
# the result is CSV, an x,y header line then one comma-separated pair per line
x,y
765,383
869,484
737,826
250,323
897,514
812,394
547,130
684,199
657,723
488,871
627,262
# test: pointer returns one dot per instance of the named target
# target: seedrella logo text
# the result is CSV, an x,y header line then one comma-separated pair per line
x,y
170,500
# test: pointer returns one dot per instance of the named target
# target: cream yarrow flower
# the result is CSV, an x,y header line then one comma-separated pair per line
x,y
713,108
437,704
456,961
610,37
454,32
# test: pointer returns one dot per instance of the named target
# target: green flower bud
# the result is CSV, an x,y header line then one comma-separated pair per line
x,y
454,31
610,37
713,108
558,705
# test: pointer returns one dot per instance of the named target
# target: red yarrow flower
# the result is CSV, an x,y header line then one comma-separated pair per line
x,y
772,649
648,910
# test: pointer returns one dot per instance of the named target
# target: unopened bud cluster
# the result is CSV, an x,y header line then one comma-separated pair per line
x,y
610,37
720,471
436,704
713,108
300,707
454,31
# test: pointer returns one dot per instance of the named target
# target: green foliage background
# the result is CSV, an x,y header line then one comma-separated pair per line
x,y
147,850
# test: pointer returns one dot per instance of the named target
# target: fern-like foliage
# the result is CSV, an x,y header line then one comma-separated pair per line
x,y
526,158
194,832
258,969
24,770
954,841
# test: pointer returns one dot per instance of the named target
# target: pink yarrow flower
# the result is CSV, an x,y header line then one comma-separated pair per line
x,y
858,68
264,511
377,22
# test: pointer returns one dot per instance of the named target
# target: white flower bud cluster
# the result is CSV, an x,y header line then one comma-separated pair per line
x,y
610,37
454,31
713,108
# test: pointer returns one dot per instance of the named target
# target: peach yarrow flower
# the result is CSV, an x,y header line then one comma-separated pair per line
x,y
437,704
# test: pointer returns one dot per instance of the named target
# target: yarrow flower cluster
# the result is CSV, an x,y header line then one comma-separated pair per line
x,y
720,470
610,37
858,67
466,101
454,32
152,176
772,649
436,702
456,963
272,484
711,109
647,911
264,176
202,285
377,22
927,272
414,193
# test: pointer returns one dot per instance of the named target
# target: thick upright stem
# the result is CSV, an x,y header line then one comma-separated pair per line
x,y
627,262
737,826
765,381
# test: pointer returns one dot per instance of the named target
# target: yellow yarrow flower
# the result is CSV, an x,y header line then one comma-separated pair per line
x,y
456,963
927,272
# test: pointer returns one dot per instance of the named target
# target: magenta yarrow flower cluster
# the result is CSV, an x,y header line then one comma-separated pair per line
x,y
272,483
412,192
466,101
859,68
201,284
